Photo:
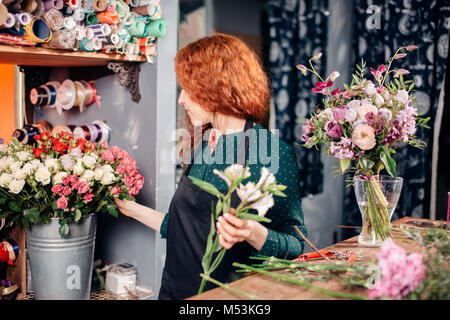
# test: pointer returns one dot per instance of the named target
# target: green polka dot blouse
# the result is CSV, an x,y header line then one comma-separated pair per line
x,y
265,149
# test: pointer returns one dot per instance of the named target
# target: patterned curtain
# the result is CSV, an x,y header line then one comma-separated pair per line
x,y
426,24
297,30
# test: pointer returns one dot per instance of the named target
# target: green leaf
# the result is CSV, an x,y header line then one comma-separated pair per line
x,y
100,205
3,201
32,215
388,162
4,214
255,217
279,193
112,209
25,223
208,187
219,207
345,163
13,205
63,229
77,215
38,195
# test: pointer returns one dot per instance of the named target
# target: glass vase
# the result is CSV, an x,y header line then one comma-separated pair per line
x,y
377,198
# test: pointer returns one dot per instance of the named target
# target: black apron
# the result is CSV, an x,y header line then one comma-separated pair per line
x,y
188,226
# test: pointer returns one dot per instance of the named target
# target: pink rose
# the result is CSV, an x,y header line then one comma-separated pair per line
x,y
88,197
333,129
121,169
83,187
129,181
62,203
66,190
339,113
66,180
115,190
57,189
73,178
107,155
364,137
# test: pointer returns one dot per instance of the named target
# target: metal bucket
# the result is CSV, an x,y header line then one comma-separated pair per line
x,y
61,269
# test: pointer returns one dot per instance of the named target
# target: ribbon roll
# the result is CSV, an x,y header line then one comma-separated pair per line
x,y
137,28
122,9
104,129
93,132
78,132
74,4
89,34
86,6
23,18
139,3
3,14
147,10
79,15
54,19
66,94
90,19
62,39
100,29
155,28
108,17
69,22
26,134
98,5
80,95
97,43
86,45
53,88
39,96
10,21
80,32
76,45
37,31
53,4
43,126
40,8
94,97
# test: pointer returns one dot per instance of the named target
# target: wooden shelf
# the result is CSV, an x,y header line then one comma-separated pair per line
x,y
36,56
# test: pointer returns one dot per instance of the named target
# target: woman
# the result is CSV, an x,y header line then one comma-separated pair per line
x,y
223,87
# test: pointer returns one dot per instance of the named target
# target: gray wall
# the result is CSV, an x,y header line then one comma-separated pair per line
x,y
144,130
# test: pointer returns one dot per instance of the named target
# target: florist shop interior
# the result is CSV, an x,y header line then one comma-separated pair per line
x,y
91,107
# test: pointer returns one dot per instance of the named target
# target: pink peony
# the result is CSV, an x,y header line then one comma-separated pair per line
x,y
62,203
66,190
107,155
83,187
364,137
400,273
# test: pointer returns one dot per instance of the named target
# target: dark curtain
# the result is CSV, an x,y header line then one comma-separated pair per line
x,y
297,30
425,24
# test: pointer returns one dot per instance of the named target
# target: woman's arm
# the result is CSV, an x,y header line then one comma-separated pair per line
x,y
143,214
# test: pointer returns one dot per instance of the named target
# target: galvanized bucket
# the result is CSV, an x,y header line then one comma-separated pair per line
x,y
61,269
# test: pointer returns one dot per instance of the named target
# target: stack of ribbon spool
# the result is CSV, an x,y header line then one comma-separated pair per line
x,y
112,26
65,95
97,131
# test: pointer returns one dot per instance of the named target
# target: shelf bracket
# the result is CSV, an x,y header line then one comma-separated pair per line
x,y
128,77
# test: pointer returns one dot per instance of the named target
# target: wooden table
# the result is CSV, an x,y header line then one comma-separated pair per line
x,y
269,288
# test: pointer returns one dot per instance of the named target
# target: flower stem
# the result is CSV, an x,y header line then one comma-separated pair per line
x,y
227,287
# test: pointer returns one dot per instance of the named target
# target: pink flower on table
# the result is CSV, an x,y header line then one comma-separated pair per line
x,y
107,155
400,273
62,202
333,129
364,137
83,187
115,190
66,190
57,189
88,197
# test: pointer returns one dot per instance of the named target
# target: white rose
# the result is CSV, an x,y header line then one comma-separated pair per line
x,y
5,179
350,115
76,153
379,100
67,162
386,114
20,174
51,163
108,178
89,161
107,168
42,175
23,156
58,178
98,174
402,96
78,168
370,89
15,186
28,168
36,163
88,175
354,104
15,166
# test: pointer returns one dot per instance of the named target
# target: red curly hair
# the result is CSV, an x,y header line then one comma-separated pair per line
x,y
222,74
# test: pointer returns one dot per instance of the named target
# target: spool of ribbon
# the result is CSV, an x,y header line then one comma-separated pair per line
x,y
9,250
58,129
62,39
74,4
108,17
86,6
69,22
98,5
67,10
97,43
122,9
54,19
40,96
10,21
23,18
53,4
155,28
26,134
80,32
91,93
139,3
79,15
3,14
91,19
37,31
147,10
89,34
43,126
80,96
40,8
102,30
66,94
86,45
103,130
137,28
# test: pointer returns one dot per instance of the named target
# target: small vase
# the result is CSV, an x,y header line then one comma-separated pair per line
x,y
377,198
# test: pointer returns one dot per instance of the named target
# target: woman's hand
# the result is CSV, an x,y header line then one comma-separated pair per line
x,y
127,207
233,230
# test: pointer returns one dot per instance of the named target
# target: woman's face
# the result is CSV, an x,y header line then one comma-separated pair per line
x,y
196,113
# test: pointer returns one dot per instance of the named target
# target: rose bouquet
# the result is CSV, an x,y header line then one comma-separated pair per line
x,y
63,177
364,123
257,196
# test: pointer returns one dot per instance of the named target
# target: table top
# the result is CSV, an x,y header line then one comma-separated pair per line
x,y
269,288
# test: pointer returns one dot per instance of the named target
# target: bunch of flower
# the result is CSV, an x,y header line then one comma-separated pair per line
x,y
64,177
363,121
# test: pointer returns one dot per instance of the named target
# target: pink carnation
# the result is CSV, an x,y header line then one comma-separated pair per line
x,y
107,155
121,169
129,181
401,273
62,203
83,187
115,190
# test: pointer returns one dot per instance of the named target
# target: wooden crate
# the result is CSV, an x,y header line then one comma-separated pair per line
x,y
18,274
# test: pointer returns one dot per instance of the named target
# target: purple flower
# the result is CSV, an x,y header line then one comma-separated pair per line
x,y
333,129
400,273
339,113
